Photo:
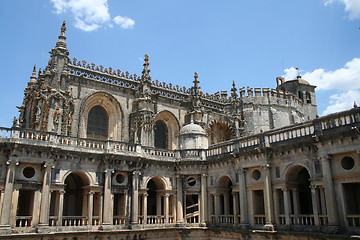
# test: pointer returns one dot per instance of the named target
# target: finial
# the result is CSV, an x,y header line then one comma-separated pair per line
x,y
63,29
33,75
146,70
62,38
355,105
233,90
196,83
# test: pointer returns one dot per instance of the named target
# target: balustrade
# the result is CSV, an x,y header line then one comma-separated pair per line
x,y
23,221
259,219
353,220
119,220
75,221
303,219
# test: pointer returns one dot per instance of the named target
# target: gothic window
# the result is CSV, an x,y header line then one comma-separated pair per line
x,y
98,123
161,135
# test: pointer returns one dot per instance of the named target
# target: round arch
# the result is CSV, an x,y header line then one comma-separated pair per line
x,y
113,109
172,126
298,178
219,131
160,182
74,194
85,177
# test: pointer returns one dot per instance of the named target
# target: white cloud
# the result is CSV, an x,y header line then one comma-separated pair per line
x,y
89,15
342,101
124,22
345,78
344,82
351,6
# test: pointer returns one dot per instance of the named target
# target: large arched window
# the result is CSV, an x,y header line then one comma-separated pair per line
x,y
161,134
98,123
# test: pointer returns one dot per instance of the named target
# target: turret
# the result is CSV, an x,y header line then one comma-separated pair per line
x,y
304,91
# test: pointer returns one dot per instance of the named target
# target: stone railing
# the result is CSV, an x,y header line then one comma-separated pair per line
x,y
275,137
310,130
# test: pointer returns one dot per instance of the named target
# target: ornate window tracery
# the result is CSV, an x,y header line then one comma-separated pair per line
x,y
161,134
98,123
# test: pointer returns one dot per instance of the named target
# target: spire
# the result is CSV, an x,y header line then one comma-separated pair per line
x,y
355,105
60,47
196,84
146,70
62,39
33,75
233,91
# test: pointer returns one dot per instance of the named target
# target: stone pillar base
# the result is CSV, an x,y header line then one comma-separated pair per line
x,y
335,228
244,226
135,226
43,228
180,224
106,227
5,229
269,227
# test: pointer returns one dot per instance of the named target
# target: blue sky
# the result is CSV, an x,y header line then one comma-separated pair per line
x,y
250,42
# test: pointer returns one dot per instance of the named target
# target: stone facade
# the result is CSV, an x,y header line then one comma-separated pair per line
x,y
97,149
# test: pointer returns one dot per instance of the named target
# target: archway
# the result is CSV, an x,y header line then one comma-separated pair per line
x,y
74,197
225,188
102,103
299,181
166,130
219,132
155,199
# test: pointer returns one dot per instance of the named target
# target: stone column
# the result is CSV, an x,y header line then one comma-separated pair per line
x,y
45,192
244,217
269,210
287,206
1,199
295,194
322,200
315,205
276,205
90,207
179,199
226,204
101,207
135,198
158,204
173,203
217,206
211,207
235,196
329,192
14,206
107,198
61,207
203,203
166,207
8,192
85,203
145,195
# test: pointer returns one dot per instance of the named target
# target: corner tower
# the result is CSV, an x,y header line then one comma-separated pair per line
x,y
303,91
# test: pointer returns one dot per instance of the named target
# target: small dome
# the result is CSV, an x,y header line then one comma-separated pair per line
x,y
192,128
302,81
